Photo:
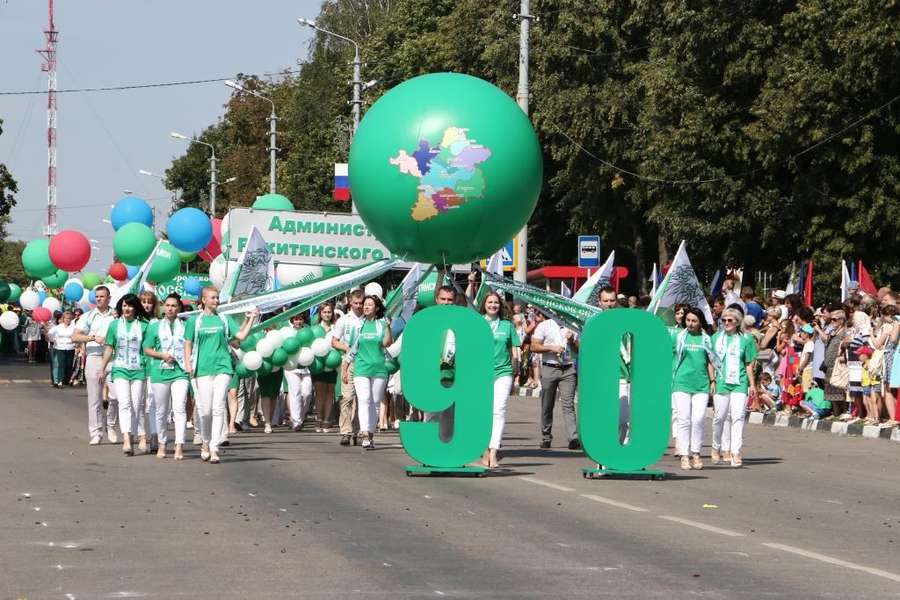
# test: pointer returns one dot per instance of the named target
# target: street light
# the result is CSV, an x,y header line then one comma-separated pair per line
x,y
272,120
212,168
150,174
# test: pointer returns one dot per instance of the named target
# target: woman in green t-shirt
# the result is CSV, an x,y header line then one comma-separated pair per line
x,y
735,353
207,341
164,344
693,374
369,371
124,347
506,358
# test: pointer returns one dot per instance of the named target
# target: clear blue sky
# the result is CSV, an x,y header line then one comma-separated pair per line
x,y
104,138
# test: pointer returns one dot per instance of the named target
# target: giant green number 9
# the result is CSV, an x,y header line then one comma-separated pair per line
x,y
471,392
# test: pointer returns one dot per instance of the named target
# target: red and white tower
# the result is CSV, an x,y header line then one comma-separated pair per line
x,y
49,65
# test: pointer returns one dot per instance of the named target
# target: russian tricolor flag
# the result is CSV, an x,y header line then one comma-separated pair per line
x,y
341,182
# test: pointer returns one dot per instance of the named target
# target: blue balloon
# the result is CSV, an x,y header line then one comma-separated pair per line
x,y
189,229
132,271
92,297
131,209
42,295
73,291
192,286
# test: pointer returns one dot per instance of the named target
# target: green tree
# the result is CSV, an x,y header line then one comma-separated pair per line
x,y
8,189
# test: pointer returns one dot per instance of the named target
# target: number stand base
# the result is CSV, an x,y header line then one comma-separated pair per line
x,y
449,471
601,472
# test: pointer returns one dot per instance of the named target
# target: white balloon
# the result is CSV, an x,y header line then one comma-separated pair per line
x,y
85,297
224,229
52,304
239,353
9,320
265,347
287,332
291,364
275,338
291,274
29,300
217,271
252,360
320,347
305,357
374,289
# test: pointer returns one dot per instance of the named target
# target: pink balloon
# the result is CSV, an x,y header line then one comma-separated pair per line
x,y
41,314
70,250
214,247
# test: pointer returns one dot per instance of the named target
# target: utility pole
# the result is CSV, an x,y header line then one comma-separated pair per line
x,y
48,52
272,149
212,184
522,97
357,87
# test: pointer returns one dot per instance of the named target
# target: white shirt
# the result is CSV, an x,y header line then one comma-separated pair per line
x,y
347,328
61,336
94,323
549,333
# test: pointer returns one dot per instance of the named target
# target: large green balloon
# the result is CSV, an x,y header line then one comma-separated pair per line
x,y
445,168
317,366
291,345
5,291
272,202
56,280
36,259
333,359
317,331
14,292
166,263
133,243
90,280
279,357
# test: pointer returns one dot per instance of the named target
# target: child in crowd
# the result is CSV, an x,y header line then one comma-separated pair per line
x,y
814,403
768,392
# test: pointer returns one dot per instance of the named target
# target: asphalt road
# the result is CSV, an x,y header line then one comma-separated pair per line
x,y
294,515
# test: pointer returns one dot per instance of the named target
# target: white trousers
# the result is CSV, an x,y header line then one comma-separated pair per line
x,y
502,387
212,400
131,403
624,410
299,394
170,396
149,410
690,411
369,393
96,420
730,405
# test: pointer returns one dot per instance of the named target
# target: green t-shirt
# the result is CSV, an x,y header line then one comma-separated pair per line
x,y
816,397
746,355
505,339
125,355
369,361
213,354
690,375
161,372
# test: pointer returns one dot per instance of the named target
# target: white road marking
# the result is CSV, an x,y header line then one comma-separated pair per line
x,y
560,488
703,526
21,381
835,561
615,503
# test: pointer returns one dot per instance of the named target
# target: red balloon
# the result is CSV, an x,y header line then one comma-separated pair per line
x,y
41,314
214,247
118,271
70,250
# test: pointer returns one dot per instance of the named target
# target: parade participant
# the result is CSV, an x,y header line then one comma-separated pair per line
x,y
124,339
609,301
325,381
63,349
151,306
506,358
269,386
693,377
445,295
343,336
164,344
91,331
299,384
555,344
734,355
207,337
369,371
31,335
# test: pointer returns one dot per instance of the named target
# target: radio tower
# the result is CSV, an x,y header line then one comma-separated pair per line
x,y
49,65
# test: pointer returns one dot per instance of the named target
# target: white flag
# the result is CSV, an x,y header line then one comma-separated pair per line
x,y
845,282
495,263
654,280
589,293
680,286
564,290
254,273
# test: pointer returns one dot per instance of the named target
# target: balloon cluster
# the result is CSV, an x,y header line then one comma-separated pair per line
x,y
289,348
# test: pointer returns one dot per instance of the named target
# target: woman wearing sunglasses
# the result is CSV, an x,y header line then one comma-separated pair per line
x,y
734,353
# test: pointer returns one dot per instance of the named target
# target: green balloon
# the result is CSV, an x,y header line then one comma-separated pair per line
x,y
90,280
56,280
242,371
392,365
318,331
332,359
265,368
317,366
272,202
279,357
445,168
305,336
291,345
425,292
4,291
133,243
166,263
36,259
14,292
186,256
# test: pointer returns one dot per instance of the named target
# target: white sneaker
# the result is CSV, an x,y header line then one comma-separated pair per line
x,y
189,425
197,438
268,428
112,435
95,441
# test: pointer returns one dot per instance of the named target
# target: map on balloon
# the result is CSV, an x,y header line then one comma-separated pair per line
x,y
449,173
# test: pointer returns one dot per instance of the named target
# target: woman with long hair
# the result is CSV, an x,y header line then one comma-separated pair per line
x,y
151,306
164,344
124,347
207,338
63,349
299,384
693,378
506,357
734,353
369,369
324,382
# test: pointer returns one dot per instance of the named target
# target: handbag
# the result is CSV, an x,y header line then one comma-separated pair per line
x,y
765,356
840,375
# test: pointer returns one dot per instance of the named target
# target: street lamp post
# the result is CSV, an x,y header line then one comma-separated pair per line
x,y
212,169
273,148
